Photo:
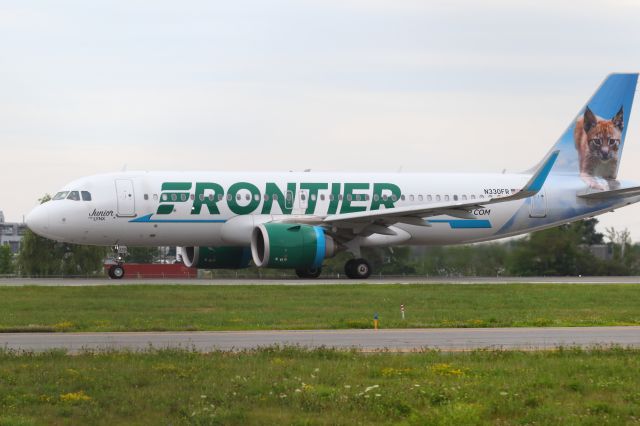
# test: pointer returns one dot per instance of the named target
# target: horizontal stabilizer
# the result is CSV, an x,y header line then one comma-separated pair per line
x,y
614,193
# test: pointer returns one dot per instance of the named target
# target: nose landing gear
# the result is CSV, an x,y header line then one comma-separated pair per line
x,y
116,271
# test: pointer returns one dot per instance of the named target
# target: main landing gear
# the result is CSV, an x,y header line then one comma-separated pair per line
x,y
357,269
116,271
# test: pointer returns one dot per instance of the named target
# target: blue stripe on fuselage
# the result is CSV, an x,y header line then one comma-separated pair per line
x,y
463,223
147,219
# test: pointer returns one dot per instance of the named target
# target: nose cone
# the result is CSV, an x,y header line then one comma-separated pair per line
x,y
38,220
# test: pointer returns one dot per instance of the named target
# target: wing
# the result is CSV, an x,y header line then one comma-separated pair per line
x,y
414,214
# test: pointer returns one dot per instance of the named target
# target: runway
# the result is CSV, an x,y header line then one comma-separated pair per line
x,y
76,282
395,340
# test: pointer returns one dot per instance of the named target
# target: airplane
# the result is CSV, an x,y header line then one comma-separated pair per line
x,y
292,220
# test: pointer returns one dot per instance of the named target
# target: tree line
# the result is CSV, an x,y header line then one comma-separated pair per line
x,y
566,250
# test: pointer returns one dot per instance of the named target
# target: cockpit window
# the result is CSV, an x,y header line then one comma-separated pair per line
x,y
86,196
61,195
74,195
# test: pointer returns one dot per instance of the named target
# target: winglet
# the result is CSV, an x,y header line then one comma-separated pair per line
x,y
540,176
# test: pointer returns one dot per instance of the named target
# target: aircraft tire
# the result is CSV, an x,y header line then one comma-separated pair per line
x,y
357,269
116,272
308,272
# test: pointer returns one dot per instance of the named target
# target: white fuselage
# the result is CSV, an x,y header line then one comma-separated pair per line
x,y
222,208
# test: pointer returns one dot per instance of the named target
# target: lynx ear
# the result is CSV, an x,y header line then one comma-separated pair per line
x,y
618,119
590,120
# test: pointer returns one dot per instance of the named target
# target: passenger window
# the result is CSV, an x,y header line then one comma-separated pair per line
x,y
183,197
256,197
238,197
437,198
429,198
247,197
420,197
228,197
481,196
384,197
464,197
340,197
201,197
366,197
446,198
394,197
220,197
86,196
455,198
303,197
192,196
74,195
322,197
266,197
331,197
473,197
289,196
357,197
174,197
164,197
411,197
146,196
348,197
274,197
155,197
313,197
402,197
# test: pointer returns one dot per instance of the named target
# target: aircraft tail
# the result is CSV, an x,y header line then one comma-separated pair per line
x,y
592,144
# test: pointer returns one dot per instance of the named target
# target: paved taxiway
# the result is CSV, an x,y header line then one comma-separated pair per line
x,y
458,339
71,282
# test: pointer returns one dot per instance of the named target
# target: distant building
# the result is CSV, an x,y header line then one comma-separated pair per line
x,y
11,233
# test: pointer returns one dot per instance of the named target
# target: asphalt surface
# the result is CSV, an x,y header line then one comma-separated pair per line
x,y
398,340
62,282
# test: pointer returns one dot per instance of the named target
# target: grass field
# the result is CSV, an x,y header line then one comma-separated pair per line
x,y
291,386
149,307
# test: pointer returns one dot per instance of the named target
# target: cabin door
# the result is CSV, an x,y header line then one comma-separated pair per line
x,y
126,198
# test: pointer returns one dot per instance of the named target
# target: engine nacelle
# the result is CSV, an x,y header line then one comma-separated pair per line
x,y
215,257
286,245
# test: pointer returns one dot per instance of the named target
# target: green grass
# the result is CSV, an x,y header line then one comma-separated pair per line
x,y
292,386
153,307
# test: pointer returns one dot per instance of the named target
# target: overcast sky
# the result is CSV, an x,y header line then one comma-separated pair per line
x,y
91,86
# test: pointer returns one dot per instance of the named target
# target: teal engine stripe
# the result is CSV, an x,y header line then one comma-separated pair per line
x,y
464,223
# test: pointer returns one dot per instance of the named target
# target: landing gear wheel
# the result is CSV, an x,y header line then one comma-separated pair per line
x,y
116,272
357,269
308,272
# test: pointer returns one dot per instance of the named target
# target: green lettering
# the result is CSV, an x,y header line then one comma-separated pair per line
x,y
285,206
210,199
254,198
349,196
335,193
313,194
391,190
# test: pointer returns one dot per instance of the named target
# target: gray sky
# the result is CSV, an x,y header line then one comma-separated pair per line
x,y
332,85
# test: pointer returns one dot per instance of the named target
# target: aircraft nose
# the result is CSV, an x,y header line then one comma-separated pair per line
x,y
38,220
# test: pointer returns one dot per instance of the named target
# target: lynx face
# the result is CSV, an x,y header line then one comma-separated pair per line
x,y
603,137
598,143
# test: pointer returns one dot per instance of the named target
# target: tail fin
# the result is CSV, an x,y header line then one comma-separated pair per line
x,y
592,144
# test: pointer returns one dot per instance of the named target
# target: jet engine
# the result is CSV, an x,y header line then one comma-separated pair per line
x,y
286,245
